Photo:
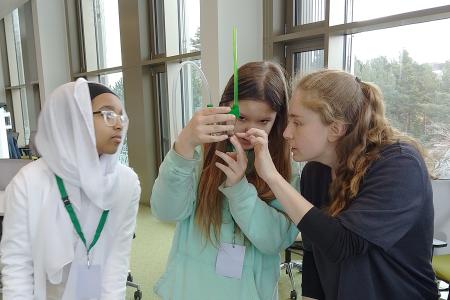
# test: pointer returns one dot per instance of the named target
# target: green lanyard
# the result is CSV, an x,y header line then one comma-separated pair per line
x,y
74,219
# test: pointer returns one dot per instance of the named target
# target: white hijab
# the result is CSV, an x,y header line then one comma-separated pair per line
x,y
66,142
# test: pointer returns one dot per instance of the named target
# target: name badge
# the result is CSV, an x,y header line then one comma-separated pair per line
x,y
89,282
230,260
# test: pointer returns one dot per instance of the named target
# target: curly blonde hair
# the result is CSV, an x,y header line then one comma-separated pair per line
x,y
359,105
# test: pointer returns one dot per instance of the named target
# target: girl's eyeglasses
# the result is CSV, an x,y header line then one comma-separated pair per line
x,y
111,117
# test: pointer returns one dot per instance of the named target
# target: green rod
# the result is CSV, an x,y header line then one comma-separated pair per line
x,y
235,67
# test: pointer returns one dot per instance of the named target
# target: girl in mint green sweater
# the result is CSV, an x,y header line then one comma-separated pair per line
x,y
230,228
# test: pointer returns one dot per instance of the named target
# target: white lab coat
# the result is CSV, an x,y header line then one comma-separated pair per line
x,y
23,244
40,250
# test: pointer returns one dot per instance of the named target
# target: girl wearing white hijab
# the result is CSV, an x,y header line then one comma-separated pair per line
x,y
44,252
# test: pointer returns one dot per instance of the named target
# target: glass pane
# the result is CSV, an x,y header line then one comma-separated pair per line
x,y
189,25
308,11
14,48
369,9
101,34
115,82
191,96
414,74
158,25
308,61
18,45
164,118
25,115
21,119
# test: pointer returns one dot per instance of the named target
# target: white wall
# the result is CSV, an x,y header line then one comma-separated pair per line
x,y
247,16
217,19
52,55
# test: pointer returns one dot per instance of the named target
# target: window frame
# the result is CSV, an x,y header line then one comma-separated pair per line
x,y
303,46
282,39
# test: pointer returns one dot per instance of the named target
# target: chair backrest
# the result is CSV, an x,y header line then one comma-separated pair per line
x,y
9,169
441,201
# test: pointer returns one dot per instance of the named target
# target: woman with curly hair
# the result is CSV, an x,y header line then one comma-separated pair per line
x,y
366,204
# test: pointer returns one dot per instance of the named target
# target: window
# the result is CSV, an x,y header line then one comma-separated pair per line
x,y
184,30
406,54
12,25
159,38
189,20
18,95
101,49
175,37
163,115
191,96
308,61
101,34
308,11
367,9
305,57
21,118
414,75
115,82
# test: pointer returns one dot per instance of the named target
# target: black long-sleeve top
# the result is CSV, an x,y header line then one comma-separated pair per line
x,y
380,246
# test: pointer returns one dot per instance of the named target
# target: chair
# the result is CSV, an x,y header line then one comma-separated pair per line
x,y
441,267
30,150
289,264
441,249
131,283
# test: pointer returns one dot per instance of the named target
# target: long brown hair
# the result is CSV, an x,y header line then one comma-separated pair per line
x,y
258,81
359,105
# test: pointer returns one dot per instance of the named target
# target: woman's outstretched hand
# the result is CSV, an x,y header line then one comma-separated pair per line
x,y
263,161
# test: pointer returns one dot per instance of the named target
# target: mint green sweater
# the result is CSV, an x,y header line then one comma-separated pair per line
x,y
190,272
